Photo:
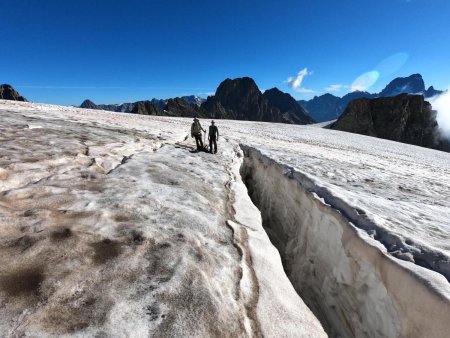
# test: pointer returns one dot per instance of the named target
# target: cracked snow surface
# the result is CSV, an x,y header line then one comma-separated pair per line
x,y
111,226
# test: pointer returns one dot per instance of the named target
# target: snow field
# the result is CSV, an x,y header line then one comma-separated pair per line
x,y
111,226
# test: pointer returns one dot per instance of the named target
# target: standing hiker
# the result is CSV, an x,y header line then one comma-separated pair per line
x,y
196,131
213,137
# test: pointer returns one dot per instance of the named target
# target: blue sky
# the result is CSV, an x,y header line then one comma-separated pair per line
x,y
116,51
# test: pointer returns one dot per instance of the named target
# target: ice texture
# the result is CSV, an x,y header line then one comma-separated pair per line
x,y
111,226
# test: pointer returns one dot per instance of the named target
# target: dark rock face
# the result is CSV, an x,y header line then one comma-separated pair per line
x,y
88,104
173,107
146,108
180,107
430,92
241,99
238,99
413,84
403,118
291,111
7,92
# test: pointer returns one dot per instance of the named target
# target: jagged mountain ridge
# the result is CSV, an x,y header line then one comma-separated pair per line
x,y
235,99
241,99
329,107
129,106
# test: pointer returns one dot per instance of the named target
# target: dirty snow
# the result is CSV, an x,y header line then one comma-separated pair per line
x,y
110,225
87,196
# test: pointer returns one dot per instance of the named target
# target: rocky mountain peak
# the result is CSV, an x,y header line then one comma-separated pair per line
x,y
7,92
88,104
412,84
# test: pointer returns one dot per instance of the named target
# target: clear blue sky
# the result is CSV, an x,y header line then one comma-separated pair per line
x,y
116,51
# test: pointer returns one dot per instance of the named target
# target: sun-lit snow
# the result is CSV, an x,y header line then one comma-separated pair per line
x,y
110,225
122,229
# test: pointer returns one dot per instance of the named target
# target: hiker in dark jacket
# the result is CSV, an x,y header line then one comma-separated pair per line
x,y
196,131
213,137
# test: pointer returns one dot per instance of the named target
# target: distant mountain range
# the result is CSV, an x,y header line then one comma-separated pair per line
x,y
129,106
241,99
236,99
7,92
329,107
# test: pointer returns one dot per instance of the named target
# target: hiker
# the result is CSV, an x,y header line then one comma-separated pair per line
x,y
196,131
213,137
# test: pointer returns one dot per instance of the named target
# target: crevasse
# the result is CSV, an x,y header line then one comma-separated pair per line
x,y
348,279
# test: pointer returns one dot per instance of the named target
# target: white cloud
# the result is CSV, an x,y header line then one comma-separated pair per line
x,y
296,82
336,87
441,103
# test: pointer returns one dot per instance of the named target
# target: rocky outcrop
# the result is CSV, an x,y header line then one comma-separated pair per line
x,y
404,118
7,92
173,107
146,108
181,108
241,99
88,104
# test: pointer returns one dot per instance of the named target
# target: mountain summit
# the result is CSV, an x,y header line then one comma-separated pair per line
x,y
241,99
412,84
7,92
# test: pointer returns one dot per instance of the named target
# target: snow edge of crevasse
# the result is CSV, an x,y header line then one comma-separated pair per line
x,y
280,311
349,279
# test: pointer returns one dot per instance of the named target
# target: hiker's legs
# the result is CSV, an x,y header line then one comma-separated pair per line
x,y
198,141
213,145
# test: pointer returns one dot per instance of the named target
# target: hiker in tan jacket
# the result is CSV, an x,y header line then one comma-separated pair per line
x,y
196,131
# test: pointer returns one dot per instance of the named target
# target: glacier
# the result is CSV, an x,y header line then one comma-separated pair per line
x,y
111,225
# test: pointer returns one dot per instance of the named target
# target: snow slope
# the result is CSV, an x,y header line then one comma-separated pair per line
x,y
362,226
111,226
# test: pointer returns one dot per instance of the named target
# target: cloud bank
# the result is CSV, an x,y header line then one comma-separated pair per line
x,y
441,103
